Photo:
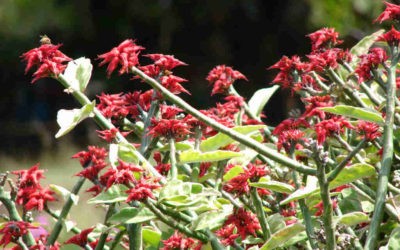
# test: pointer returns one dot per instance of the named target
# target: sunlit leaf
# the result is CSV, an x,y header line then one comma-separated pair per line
x,y
130,215
355,112
260,98
78,73
233,172
68,119
274,186
210,220
353,218
151,237
285,234
190,156
221,140
115,193
363,46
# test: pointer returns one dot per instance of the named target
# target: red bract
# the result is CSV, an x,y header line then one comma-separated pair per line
x,y
369,130
80,239
289,138
227,235
333,126
168,128
48,59
38,198
173,84
289,124
30,177
313,103
169,112
110,134
178,241
126,54
221,77
369,62
123,174
320,207
391,12
204,166
329,58
12,230
142,190
92,161
165,62
238,185
289,69
324,38
113,106
245,222
392,37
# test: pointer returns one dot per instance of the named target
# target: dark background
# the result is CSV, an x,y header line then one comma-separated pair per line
x,y
249,35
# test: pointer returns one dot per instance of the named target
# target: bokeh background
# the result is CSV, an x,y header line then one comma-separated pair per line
x,y
249,35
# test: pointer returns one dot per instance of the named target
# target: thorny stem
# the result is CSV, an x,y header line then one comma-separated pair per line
x,y
260,213
387,156
334,173
64,212
172,223
328,211
245,140
172,156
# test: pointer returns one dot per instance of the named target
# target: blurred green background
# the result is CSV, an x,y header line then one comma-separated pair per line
x,y
249,35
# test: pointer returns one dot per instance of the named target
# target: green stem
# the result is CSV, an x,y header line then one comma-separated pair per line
x,y
328,211
334,173
260,213
103,237
172,223
215,243
64,212
152,112
349,148
135,236
175,214
196,166
173,172
117,239
245,140
387,156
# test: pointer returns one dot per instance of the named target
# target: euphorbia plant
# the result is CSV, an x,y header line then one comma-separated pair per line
x,y
174,177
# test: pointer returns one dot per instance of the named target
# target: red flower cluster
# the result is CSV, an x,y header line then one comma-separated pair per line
x,y
329,58
178,241
48,59
143,189
13,230
221,77
392,12
289,70
227,234
369,130
313,103
239,184
320,207
110,134
324,38
126,54
122,174
330,127
92,161
245,222
369,62
392,37
30,193
80,239
162,168
289,134
168,128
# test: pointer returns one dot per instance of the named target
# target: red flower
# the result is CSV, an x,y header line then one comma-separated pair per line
x,y
113,106
289,124
165,62
92,161
370,130
329,58
238,184
245,222
169,128
123,174
392,11
222,77
324,38
369,62
38,198
289,138
320,207
178,241
227,235
173,84
48,59
313,103
169,112
204,166
142,190
110,134
126,54
29,178
392,37
12,230
80,239
290,210
333,126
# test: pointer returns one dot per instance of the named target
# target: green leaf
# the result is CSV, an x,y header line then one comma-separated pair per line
x,y
115,193
260,98
64,193
394,239
352,173
347,175
68,119
130,215
221,140
279,238
356,112
179,146
363,46
78,73
353,218
274,186
126,152
190,156
151,237
276,222
233,172
210,220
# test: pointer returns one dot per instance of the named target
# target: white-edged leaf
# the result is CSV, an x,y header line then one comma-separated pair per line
x,y
78,73
68,119
64,193
260,98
